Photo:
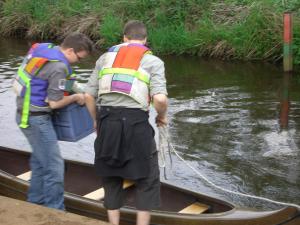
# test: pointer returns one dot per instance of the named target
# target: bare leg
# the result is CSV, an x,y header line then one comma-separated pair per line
x,y
114,216
143,218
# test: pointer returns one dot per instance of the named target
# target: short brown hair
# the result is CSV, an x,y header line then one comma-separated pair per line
x,y
135,30
79,42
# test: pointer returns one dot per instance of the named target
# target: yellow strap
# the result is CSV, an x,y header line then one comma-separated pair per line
x,y
131,72
26,103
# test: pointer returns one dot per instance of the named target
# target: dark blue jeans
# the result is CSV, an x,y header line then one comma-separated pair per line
x,y
46,163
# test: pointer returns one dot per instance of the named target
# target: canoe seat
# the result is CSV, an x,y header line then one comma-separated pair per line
x,y
127,183
195,208
96,195
99,193
25,176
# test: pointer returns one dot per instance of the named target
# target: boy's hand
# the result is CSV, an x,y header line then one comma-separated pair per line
x,y
79,99
161,121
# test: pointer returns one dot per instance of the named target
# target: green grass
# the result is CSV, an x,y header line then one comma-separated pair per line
x,y
110,30
227,29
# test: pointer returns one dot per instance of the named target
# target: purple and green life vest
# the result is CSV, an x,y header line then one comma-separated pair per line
x,y
28,85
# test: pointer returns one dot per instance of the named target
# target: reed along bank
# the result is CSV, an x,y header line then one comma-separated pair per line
x,y
228,29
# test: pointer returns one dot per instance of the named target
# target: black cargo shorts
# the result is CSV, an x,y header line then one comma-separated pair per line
x,y
147,196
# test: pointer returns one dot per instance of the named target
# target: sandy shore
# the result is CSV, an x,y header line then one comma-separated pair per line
x,y
16,212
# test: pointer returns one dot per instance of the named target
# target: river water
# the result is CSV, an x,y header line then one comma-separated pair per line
x,y
237,124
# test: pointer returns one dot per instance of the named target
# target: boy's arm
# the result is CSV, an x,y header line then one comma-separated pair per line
x,y
66,100
160,103
91,106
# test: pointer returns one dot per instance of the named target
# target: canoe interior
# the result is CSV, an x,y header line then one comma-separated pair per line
x,y
80,179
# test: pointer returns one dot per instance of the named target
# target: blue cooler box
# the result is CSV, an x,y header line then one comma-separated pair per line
x,y
72,122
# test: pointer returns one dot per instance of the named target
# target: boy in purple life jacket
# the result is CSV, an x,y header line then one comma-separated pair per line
x,y
40,88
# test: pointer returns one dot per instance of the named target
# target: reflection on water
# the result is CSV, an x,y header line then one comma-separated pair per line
x,y
225,116
225,120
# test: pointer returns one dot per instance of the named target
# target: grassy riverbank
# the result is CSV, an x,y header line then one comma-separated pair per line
x,y
228,29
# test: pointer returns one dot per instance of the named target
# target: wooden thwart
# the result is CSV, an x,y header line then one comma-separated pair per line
x,y
25,176
195,208
99,194
96,195
127,183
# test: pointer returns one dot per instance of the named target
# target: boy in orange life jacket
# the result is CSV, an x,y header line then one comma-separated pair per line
x,y
125,80
40,87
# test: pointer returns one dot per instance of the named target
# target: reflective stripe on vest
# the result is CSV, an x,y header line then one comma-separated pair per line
x,y
26,103
131,72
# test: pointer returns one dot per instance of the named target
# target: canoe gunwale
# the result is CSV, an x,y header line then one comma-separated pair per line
x,y
99,203
71,197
